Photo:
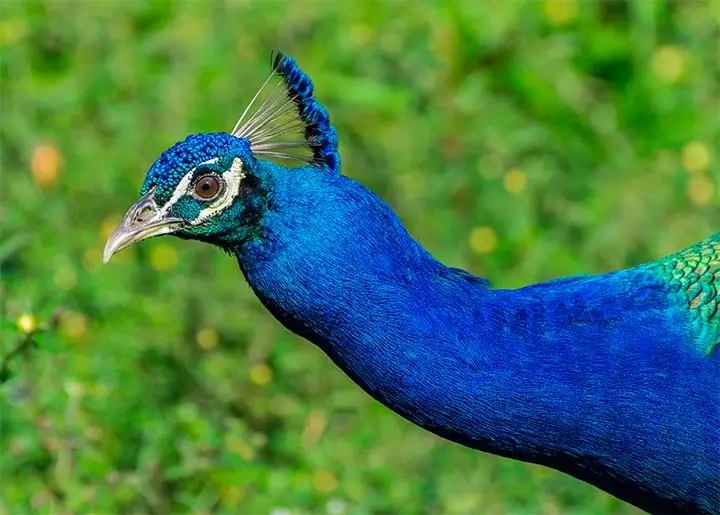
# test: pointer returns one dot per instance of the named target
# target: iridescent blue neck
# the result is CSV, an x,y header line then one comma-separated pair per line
x,y
533,374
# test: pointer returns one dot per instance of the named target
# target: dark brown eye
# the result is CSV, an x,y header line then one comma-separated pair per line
x,y
207,187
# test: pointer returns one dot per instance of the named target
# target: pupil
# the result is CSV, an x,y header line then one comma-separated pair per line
x,y
207,187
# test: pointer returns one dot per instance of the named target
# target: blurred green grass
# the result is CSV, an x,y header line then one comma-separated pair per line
x,y
520,140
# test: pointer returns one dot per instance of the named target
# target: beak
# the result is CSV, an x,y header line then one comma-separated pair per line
x,y
142,221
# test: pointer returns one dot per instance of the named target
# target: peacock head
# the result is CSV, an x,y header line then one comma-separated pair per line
x,y
215,187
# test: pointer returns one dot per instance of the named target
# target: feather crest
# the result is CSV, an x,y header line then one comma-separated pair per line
x,y
289,123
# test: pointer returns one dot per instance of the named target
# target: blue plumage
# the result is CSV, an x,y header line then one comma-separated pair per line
x,y
167,171
611,378
597,377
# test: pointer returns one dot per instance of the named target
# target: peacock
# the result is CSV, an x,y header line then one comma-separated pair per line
x,y
613,378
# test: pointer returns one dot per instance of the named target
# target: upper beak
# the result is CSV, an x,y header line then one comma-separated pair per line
x,y
143,220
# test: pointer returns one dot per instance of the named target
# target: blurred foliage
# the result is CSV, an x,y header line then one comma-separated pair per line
x,y
521,140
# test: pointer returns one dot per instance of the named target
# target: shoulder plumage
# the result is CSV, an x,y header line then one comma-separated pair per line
x,y
693,277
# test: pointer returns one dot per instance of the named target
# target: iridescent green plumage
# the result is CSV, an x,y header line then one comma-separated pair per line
x,y
693,275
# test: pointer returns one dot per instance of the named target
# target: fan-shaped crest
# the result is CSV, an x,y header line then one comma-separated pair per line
x,y
285,121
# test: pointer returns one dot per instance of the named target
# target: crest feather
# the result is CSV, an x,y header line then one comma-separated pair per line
x,y
289,123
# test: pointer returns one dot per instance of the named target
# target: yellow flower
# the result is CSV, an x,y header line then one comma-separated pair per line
x,y
73,325
261,374
163,257
324,481
483,240
515,181
12,31
559,12
45,165
668,63
700,190
696,157
232,494
314,428
26,323
207,338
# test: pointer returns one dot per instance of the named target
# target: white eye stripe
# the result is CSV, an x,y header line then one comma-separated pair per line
x,y
232,178
183,186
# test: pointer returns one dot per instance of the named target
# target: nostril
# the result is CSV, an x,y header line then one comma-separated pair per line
x,y
143,214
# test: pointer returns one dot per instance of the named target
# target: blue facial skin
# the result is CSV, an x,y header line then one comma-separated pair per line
x,y
609,378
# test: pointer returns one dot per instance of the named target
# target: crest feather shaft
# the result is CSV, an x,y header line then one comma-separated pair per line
x,y
289,123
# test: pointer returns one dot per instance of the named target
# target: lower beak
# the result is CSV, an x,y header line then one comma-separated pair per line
x,y
142,221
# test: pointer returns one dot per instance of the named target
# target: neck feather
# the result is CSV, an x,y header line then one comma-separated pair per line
x,y
508,372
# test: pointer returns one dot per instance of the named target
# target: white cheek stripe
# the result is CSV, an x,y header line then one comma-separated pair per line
x,y
232,178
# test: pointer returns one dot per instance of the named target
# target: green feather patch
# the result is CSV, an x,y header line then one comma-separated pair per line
x,y
693,275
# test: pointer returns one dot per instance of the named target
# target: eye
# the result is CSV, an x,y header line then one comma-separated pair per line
x,y
207,187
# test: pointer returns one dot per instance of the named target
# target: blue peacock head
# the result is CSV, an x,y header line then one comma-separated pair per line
x,y
216,187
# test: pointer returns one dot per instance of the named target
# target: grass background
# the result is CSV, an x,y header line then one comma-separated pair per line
x,y
521,140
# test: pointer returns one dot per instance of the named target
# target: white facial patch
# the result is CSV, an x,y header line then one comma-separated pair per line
x,y
232,179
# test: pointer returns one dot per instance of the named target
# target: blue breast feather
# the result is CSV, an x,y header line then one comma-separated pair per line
x,y
596,376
